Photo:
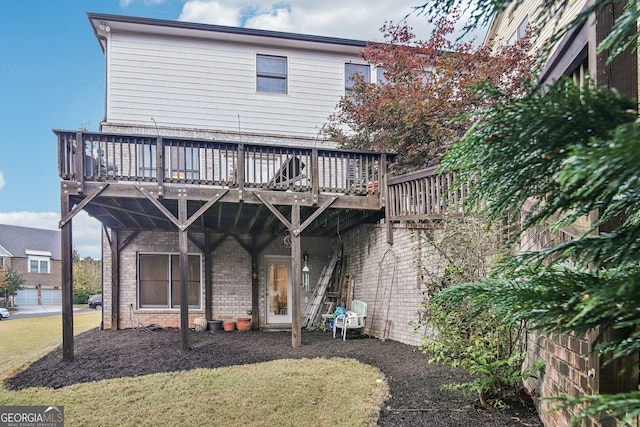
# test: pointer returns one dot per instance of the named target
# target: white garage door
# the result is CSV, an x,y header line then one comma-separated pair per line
x,y
51,296
26,297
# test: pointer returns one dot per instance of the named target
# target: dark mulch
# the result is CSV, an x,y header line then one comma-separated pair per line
x,y
415,385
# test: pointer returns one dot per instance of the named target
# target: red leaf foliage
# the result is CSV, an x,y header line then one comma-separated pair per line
x,y
416,110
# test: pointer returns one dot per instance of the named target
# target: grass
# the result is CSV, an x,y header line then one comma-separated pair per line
x,y
309,392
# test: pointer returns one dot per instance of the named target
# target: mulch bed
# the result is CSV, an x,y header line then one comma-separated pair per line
x,y
415,385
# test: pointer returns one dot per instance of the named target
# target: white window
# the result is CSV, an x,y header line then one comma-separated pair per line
x,y
381,75
522,28
521,31
271,72
159,281
38,264
350,70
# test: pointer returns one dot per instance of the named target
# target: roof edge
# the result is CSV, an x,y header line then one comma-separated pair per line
x,y
225,29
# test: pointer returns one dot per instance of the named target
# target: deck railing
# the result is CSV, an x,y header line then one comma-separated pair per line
x,y
86,156
423,194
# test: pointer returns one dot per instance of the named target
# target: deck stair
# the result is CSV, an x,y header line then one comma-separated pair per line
x,y
318,299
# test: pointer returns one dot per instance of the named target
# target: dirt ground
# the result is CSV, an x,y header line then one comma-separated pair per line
x,y
415,385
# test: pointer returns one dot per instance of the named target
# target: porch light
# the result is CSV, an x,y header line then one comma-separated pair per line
x,y
305,273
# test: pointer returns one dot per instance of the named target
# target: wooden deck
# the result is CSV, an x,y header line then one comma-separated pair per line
x,y
133,181
140,182
423,195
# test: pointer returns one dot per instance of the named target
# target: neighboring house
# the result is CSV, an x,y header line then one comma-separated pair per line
x,y
34,254
570,367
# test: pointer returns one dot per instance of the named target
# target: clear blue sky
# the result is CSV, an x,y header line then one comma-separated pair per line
x,y
53,78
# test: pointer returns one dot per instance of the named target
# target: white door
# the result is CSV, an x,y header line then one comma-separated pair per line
x,y
278,290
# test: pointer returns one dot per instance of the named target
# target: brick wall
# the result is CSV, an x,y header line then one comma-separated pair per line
x,y
567,371
245,137
566,357
387,278
230,271
49,280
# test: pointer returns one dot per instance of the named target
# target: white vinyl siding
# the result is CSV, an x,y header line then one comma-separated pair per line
x,y
508,25
190,83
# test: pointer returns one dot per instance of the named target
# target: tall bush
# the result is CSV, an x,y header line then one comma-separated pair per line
x,y
491,349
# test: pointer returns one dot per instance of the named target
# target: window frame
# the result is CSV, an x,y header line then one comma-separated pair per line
x,y
170,280
270,75
43,263
348,81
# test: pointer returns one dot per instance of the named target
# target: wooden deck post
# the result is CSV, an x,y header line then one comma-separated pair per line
x,y
208,280
296,255
115,279
183,241
255,284
66,243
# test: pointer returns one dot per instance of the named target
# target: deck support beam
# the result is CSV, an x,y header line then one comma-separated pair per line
x,y
183,244
66,244
114,243
296,255
208,280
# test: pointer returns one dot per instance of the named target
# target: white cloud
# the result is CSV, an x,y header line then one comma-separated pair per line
x,y
278,19
210,12
355,19
86,230
2,181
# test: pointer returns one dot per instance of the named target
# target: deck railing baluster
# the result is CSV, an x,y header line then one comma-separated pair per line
x,y
87,156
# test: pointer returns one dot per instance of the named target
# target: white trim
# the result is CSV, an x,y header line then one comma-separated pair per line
x,y
39,260
5,253
272,319
38,253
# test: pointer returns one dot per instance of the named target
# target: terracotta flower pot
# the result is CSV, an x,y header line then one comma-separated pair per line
x,y
229,325
244,323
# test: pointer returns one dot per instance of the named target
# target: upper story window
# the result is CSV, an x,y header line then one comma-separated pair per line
x,y
271,72
349,72
39,264
521,31
381,75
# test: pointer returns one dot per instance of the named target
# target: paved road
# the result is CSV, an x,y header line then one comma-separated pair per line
x,y
26,311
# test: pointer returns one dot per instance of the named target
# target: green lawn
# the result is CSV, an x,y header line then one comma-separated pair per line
x,y
280,393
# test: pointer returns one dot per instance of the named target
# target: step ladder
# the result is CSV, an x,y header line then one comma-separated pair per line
x,y
317,299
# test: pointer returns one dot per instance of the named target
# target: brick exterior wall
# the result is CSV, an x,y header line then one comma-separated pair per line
x,y
387,278
230,271
567,371
566,357
49,280
250,138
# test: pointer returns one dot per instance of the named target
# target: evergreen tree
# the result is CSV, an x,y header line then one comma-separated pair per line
x,y
556,155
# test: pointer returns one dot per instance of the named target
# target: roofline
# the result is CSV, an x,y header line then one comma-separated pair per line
x,y
3,249
221,29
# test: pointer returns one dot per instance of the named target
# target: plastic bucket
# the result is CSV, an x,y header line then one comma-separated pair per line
x,y
215,325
